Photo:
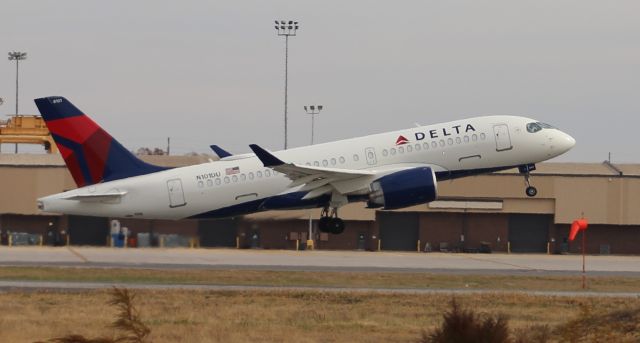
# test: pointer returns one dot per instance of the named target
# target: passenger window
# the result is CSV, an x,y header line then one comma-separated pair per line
x,y
385,152
234,178
434,144
316,163
226,179
325,163
356,157
259,173
308,163
418,147
393,151
342,160
474,137
401,150
243,177
251,176
458,140
267,173
483,136
218,182
450,141
333,161
442,143
370,154
466,139
409,148
425,145
200,184
209,183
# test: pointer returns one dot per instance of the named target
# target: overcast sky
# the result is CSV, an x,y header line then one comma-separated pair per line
x,y
205,72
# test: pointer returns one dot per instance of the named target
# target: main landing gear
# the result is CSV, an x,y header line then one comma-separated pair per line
x,y
329,221
526,169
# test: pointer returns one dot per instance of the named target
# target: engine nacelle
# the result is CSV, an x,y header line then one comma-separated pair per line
x,y
404,188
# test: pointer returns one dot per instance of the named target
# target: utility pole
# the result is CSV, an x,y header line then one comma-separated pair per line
x,y
286,29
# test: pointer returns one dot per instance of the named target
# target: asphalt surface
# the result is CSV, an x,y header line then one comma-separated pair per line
x,y
179,258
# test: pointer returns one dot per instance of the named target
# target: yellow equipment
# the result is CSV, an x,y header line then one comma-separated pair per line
x,y
27,129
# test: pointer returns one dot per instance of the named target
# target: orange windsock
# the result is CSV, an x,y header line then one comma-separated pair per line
x,y
577,226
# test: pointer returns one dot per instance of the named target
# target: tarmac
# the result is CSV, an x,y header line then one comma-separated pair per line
x,y
319,260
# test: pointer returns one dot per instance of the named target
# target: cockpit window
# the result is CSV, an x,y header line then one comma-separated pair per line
x,y
537,126
533,127
545,125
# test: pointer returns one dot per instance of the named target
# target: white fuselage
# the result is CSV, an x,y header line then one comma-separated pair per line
x,y
240,183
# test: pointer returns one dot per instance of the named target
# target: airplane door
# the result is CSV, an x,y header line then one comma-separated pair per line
x,y
503,140
176,194
370,154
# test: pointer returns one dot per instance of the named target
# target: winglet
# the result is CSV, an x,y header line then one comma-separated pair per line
x,y
219,151
266,157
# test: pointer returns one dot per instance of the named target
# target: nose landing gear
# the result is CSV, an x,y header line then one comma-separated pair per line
x,y
329,221
526,169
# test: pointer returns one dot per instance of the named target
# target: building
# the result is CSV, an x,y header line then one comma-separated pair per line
x,y
479,213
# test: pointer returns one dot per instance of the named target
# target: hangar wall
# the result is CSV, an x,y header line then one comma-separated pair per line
x,y
488,210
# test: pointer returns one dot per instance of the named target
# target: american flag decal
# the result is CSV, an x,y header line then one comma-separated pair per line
x,y
231,171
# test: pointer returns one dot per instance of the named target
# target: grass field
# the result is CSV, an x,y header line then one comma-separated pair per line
x,y
303,316
274,316
322,279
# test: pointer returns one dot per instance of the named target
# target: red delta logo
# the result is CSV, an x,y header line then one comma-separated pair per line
x,y
401,140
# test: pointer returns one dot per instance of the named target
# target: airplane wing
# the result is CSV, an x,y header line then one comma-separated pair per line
x,y
316,180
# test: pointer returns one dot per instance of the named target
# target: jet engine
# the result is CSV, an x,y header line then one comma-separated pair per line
x,y
404,188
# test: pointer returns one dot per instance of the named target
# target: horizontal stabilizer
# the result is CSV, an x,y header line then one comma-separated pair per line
x,y
97,197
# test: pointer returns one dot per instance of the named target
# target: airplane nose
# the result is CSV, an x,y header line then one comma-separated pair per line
x,y
566,142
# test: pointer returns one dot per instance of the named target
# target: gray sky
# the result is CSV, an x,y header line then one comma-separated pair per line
x,y
205,72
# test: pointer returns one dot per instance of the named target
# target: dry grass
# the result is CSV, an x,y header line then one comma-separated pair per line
x,y
280,316
322,279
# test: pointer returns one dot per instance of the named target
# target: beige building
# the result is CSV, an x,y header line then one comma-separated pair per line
x,y
475,213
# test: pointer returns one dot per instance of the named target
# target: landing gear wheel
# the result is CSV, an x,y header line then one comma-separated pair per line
x,y
329,221
531,191
336,226
323,224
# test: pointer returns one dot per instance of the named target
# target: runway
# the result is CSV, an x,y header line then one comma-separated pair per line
x,y
171,258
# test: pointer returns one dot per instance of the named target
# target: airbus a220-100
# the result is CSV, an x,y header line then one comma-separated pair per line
x,y
387,170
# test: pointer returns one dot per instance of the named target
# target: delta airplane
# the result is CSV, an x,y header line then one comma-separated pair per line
x,y
387,170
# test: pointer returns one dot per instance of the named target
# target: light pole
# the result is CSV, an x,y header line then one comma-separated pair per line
x,y
17,56
313,110
286,29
